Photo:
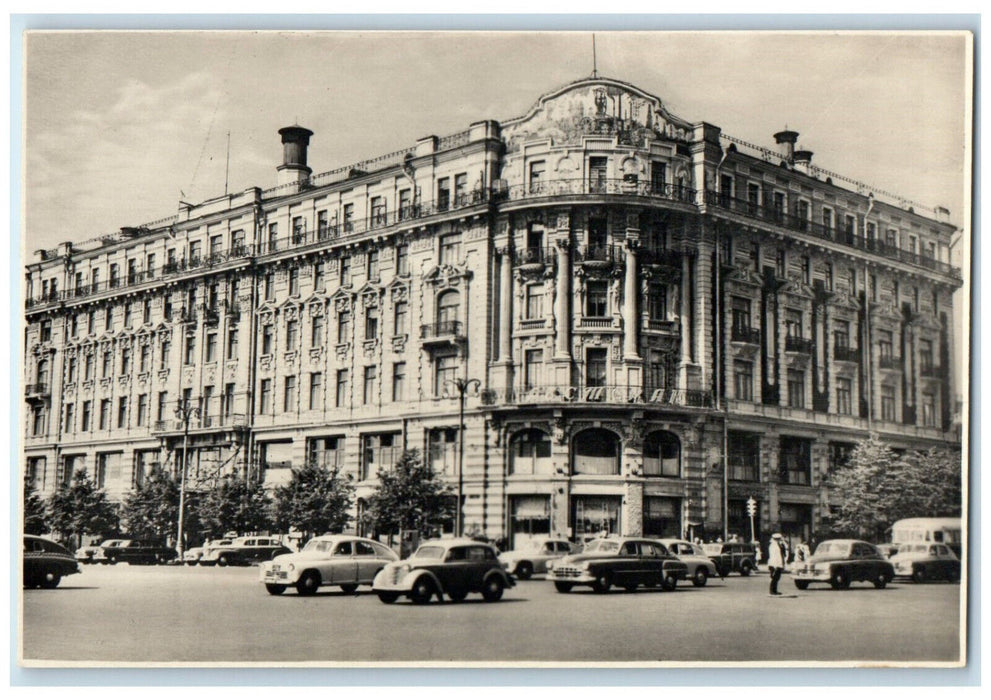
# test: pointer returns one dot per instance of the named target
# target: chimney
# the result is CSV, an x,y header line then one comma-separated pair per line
x,y
790,138
295,139
803,159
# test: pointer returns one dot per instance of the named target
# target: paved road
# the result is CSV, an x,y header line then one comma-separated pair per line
x,y
162,614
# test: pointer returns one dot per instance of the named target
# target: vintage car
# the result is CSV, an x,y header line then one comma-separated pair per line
x,y
732,556
532,557
46,562
87,553
926,562
133,552
841,562
700,566
330,560
887,549
627,562
193,555
243,551
454,568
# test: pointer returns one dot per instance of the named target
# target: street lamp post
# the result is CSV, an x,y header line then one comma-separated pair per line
x,y
463,386
183,412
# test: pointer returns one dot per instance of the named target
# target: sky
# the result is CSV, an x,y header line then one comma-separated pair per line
x,y
121,126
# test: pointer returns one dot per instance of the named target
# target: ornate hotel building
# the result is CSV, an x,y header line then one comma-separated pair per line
x,y
663,320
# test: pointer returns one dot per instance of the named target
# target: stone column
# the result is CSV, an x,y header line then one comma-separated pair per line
x,y
505,305
630,302
561,311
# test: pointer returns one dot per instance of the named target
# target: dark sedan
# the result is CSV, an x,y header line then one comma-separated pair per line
x,y
924,561
623,561
841,562
46,562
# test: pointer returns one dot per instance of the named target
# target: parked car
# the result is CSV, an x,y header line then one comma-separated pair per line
x,y
532,557
887,549
624,561
87,554
926,562
193,555
732,556
841,562
134,552
244,551
332,560
46,562
453,568
700,566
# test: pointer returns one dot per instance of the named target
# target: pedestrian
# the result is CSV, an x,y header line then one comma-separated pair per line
x,y
757,555
802,552
777,555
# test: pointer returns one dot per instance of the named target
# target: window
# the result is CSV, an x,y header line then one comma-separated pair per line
x,y
71,370
371,322
378,211
740,309
595,367
345,270
342,388
227,401
142,409
166,351
343,326
925,356
657,177
163,400
104,414
780,264
87,415
265,396
929,410
596,452
289,394
442,450
596,298
885,343
88,367
537,173
844,393
597,172
828,282
726,190
657,302
827,221
841,335
873,280
317,331
443,193
530,453
778,206
871,231
70,418
211,346
91,322
326,452
793,323
803,214
399,381
597,232
146,312
292,334
122,412
535,301
268,284
107,364
373,264
298,229
190,353
806,270
753,198
268,339
379,451
38,419
448,310
144,358
533,361
195,252
796,388
445,372
795,460
368,387
450,249
293,281
662,454
232,343
743,380
114,275
461,190
400,312
319,276
402,259
887,402
849,226
743,456
348,218
839,455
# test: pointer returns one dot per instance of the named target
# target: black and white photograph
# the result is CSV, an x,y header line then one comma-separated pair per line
x,y
494,348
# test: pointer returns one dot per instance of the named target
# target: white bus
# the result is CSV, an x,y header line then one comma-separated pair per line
x,y
945,530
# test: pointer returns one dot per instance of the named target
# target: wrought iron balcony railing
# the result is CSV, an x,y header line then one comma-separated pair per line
x,y
441,330
889,362
745,334
599,254
606,394
844,353
36,389
931,371
533,256
605,186
795,343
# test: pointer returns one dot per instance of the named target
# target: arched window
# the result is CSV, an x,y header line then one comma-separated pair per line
x,y
661,454
530,452
596,451
448,307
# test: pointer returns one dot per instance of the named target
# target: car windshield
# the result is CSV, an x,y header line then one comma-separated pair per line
x,y
316,546
832,549
713,548
429,552
602,546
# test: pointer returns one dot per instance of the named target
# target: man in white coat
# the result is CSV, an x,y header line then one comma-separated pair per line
x,y
777,555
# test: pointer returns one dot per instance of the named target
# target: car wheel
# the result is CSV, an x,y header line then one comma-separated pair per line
x,y
457,594
745,569
222,560
700,577
349,588
190,563
308,583
423,591
524,570
630,587
275,588
801,585
562,587
919,575
50,579
112,560
669,582
840,581
493,589
881,581
602,583
388,598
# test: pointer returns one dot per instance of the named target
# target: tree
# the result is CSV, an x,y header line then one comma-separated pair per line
x,y
78,508
152,509
35,521
937,473
410,497
234,504
316,500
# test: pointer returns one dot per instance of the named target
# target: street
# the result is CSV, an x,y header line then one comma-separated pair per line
x,y
194,614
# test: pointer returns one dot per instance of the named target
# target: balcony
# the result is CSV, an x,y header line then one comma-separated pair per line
x,y
795,343
890,362
442,332
536,257
606,394
598,255
210,312
745,334
606,186
931,371
224,421
663,326
842,353
37,391
660,256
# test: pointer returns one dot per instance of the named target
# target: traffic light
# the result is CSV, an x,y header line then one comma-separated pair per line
x,y
751,507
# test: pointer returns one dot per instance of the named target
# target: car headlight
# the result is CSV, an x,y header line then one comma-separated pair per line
x,y
291,567
404,569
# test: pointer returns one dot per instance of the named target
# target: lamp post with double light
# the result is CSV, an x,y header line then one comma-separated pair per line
x,y
184,412
463,387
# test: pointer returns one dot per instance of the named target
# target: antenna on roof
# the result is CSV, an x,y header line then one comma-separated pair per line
x,y
227,172
595,71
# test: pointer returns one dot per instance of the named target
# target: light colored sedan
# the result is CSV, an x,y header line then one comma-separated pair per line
x,y
192,556
533,557
700,566
330,560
